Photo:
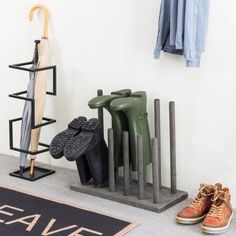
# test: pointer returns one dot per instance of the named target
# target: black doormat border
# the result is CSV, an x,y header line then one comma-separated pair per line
x,y
124,231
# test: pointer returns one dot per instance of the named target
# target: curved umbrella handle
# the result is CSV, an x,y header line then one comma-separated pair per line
x,y
46,16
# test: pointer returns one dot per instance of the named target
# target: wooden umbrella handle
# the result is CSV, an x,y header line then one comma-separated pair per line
x,y
46,17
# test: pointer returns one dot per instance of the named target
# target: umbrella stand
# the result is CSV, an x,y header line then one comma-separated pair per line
x,y
38,172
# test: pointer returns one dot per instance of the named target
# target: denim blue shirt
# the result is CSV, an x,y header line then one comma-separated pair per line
x,y
165,26
184,23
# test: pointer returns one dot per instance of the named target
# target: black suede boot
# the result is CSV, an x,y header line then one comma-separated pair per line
x,y
83,170
91,144
97,159
59,142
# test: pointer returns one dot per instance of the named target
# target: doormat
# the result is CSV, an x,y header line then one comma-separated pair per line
x,y
23,214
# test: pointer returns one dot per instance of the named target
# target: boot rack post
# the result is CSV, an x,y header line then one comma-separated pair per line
x,y
111,160
126,163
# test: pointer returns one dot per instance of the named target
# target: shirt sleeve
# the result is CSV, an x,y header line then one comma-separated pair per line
x,y
196,18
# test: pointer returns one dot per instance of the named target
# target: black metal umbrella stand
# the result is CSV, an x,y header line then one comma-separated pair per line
x,y
39,171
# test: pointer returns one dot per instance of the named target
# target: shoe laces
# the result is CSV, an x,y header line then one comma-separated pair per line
x,y
204,191
217,206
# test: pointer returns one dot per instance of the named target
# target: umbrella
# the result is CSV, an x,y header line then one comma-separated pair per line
x,y
40,86
26,117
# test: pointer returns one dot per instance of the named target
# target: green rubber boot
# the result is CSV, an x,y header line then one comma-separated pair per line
x,y
119,120
135,109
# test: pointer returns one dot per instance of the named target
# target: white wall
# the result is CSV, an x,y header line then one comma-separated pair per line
x,y
109,44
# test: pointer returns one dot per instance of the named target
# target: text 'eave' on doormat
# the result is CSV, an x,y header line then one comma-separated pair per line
x,y
23,214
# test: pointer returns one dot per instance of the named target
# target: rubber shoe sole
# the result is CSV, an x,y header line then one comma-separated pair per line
x,y
60,140
209,230
189,221
82,142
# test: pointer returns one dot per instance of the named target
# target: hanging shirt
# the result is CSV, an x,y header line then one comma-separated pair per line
x,y
196,18
182,26
164,30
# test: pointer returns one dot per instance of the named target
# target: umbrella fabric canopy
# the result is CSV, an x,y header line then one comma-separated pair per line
x,y
40,83
27,112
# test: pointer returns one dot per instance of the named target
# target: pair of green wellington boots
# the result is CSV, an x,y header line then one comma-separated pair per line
x,y
129,113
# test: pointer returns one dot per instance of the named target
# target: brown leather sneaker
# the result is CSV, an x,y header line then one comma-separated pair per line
x,y
198,208
218,219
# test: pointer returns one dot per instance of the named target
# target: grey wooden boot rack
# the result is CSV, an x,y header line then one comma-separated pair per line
x,y
137,192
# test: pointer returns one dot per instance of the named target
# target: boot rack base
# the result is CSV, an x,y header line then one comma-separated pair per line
x,y
38,173
167,199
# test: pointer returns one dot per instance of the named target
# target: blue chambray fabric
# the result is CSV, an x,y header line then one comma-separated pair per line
x,y
196,18
183,26
163,36
179,40
173,21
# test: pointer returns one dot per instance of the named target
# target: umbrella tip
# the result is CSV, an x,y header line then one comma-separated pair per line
x,y
21,170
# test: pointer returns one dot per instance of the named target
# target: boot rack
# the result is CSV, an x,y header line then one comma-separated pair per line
x,y
137,192
38,171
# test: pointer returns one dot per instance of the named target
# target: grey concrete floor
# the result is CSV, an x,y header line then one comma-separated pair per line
x,y
57,187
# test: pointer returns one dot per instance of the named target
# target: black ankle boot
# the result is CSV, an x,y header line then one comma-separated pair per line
x,y
91,144
83,170
97,159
